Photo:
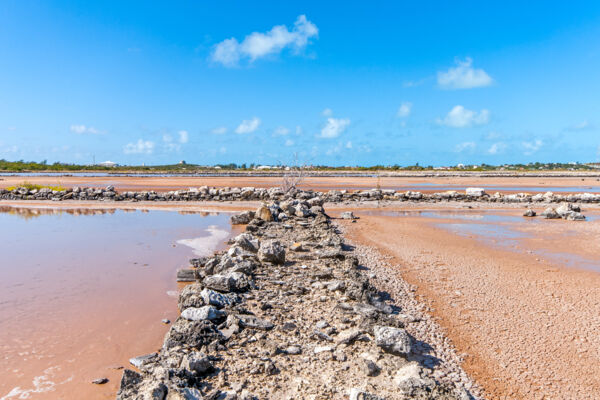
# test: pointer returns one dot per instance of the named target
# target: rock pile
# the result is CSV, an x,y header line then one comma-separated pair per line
x,y
566,211
206,193
286,313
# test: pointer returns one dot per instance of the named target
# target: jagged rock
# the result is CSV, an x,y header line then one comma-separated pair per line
x,y
475,192
191,334
184,394
347,215
370,368
140,361
242,218
264,213
230,282
250,321
205,313
358,394
272,251
198,262
186,275
197,362
411,383
247,242
529,213
191,296
575,216
129,382
550,213
100,381
393,340
217,299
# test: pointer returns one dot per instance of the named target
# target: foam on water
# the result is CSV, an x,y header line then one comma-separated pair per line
x,y
206,245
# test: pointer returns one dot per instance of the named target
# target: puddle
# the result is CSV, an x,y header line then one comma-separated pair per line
x,y
83,290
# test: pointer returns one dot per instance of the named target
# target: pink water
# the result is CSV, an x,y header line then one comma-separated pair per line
x,y
82,291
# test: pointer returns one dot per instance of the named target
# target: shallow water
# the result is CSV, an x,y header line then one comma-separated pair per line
x,y
508,230
82,291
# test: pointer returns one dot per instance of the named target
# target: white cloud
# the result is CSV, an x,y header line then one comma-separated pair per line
x,y
248,126
298,130
465,146
460,117
582,126
289,142
408,84
328,112
256,45
531,147
348,145
183,136
404,109
82,130
9,149
281,131
334,127
496,148
221,130
140,147
463,76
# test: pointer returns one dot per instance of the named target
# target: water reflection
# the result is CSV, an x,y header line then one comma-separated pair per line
x,y
34,212
84,289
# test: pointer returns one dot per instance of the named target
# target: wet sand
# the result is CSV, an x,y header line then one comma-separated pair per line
x,y
423,184
83,290
526,320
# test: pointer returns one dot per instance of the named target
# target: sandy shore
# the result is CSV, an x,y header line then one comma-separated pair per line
x,y
527,326
423,184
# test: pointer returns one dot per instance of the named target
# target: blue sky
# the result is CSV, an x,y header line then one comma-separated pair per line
x,y
339,84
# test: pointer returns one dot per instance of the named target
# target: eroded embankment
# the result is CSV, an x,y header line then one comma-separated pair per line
x,y
289,312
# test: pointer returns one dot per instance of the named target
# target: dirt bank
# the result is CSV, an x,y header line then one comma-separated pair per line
x,y
527,325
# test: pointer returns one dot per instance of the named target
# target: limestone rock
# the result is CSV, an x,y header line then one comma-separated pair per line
x,y
393,340
272,251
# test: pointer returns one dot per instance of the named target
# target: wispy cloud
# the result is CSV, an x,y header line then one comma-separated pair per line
x,y
281,131
257,45
248,126
139,147
463,76
531,147
328,112
184,136
404,109
496,148
221,130
85,130
465,146
581,126
289,142
460,117
334,127
409,84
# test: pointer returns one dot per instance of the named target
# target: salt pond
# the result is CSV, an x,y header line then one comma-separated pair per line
x,y
83,290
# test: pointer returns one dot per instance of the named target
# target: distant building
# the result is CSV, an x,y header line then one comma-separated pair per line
x,y
109,164
263,167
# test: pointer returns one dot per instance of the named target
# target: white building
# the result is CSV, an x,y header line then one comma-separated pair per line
x,y
109,164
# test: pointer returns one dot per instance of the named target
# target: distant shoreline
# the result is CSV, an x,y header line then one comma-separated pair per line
x,y
313,173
